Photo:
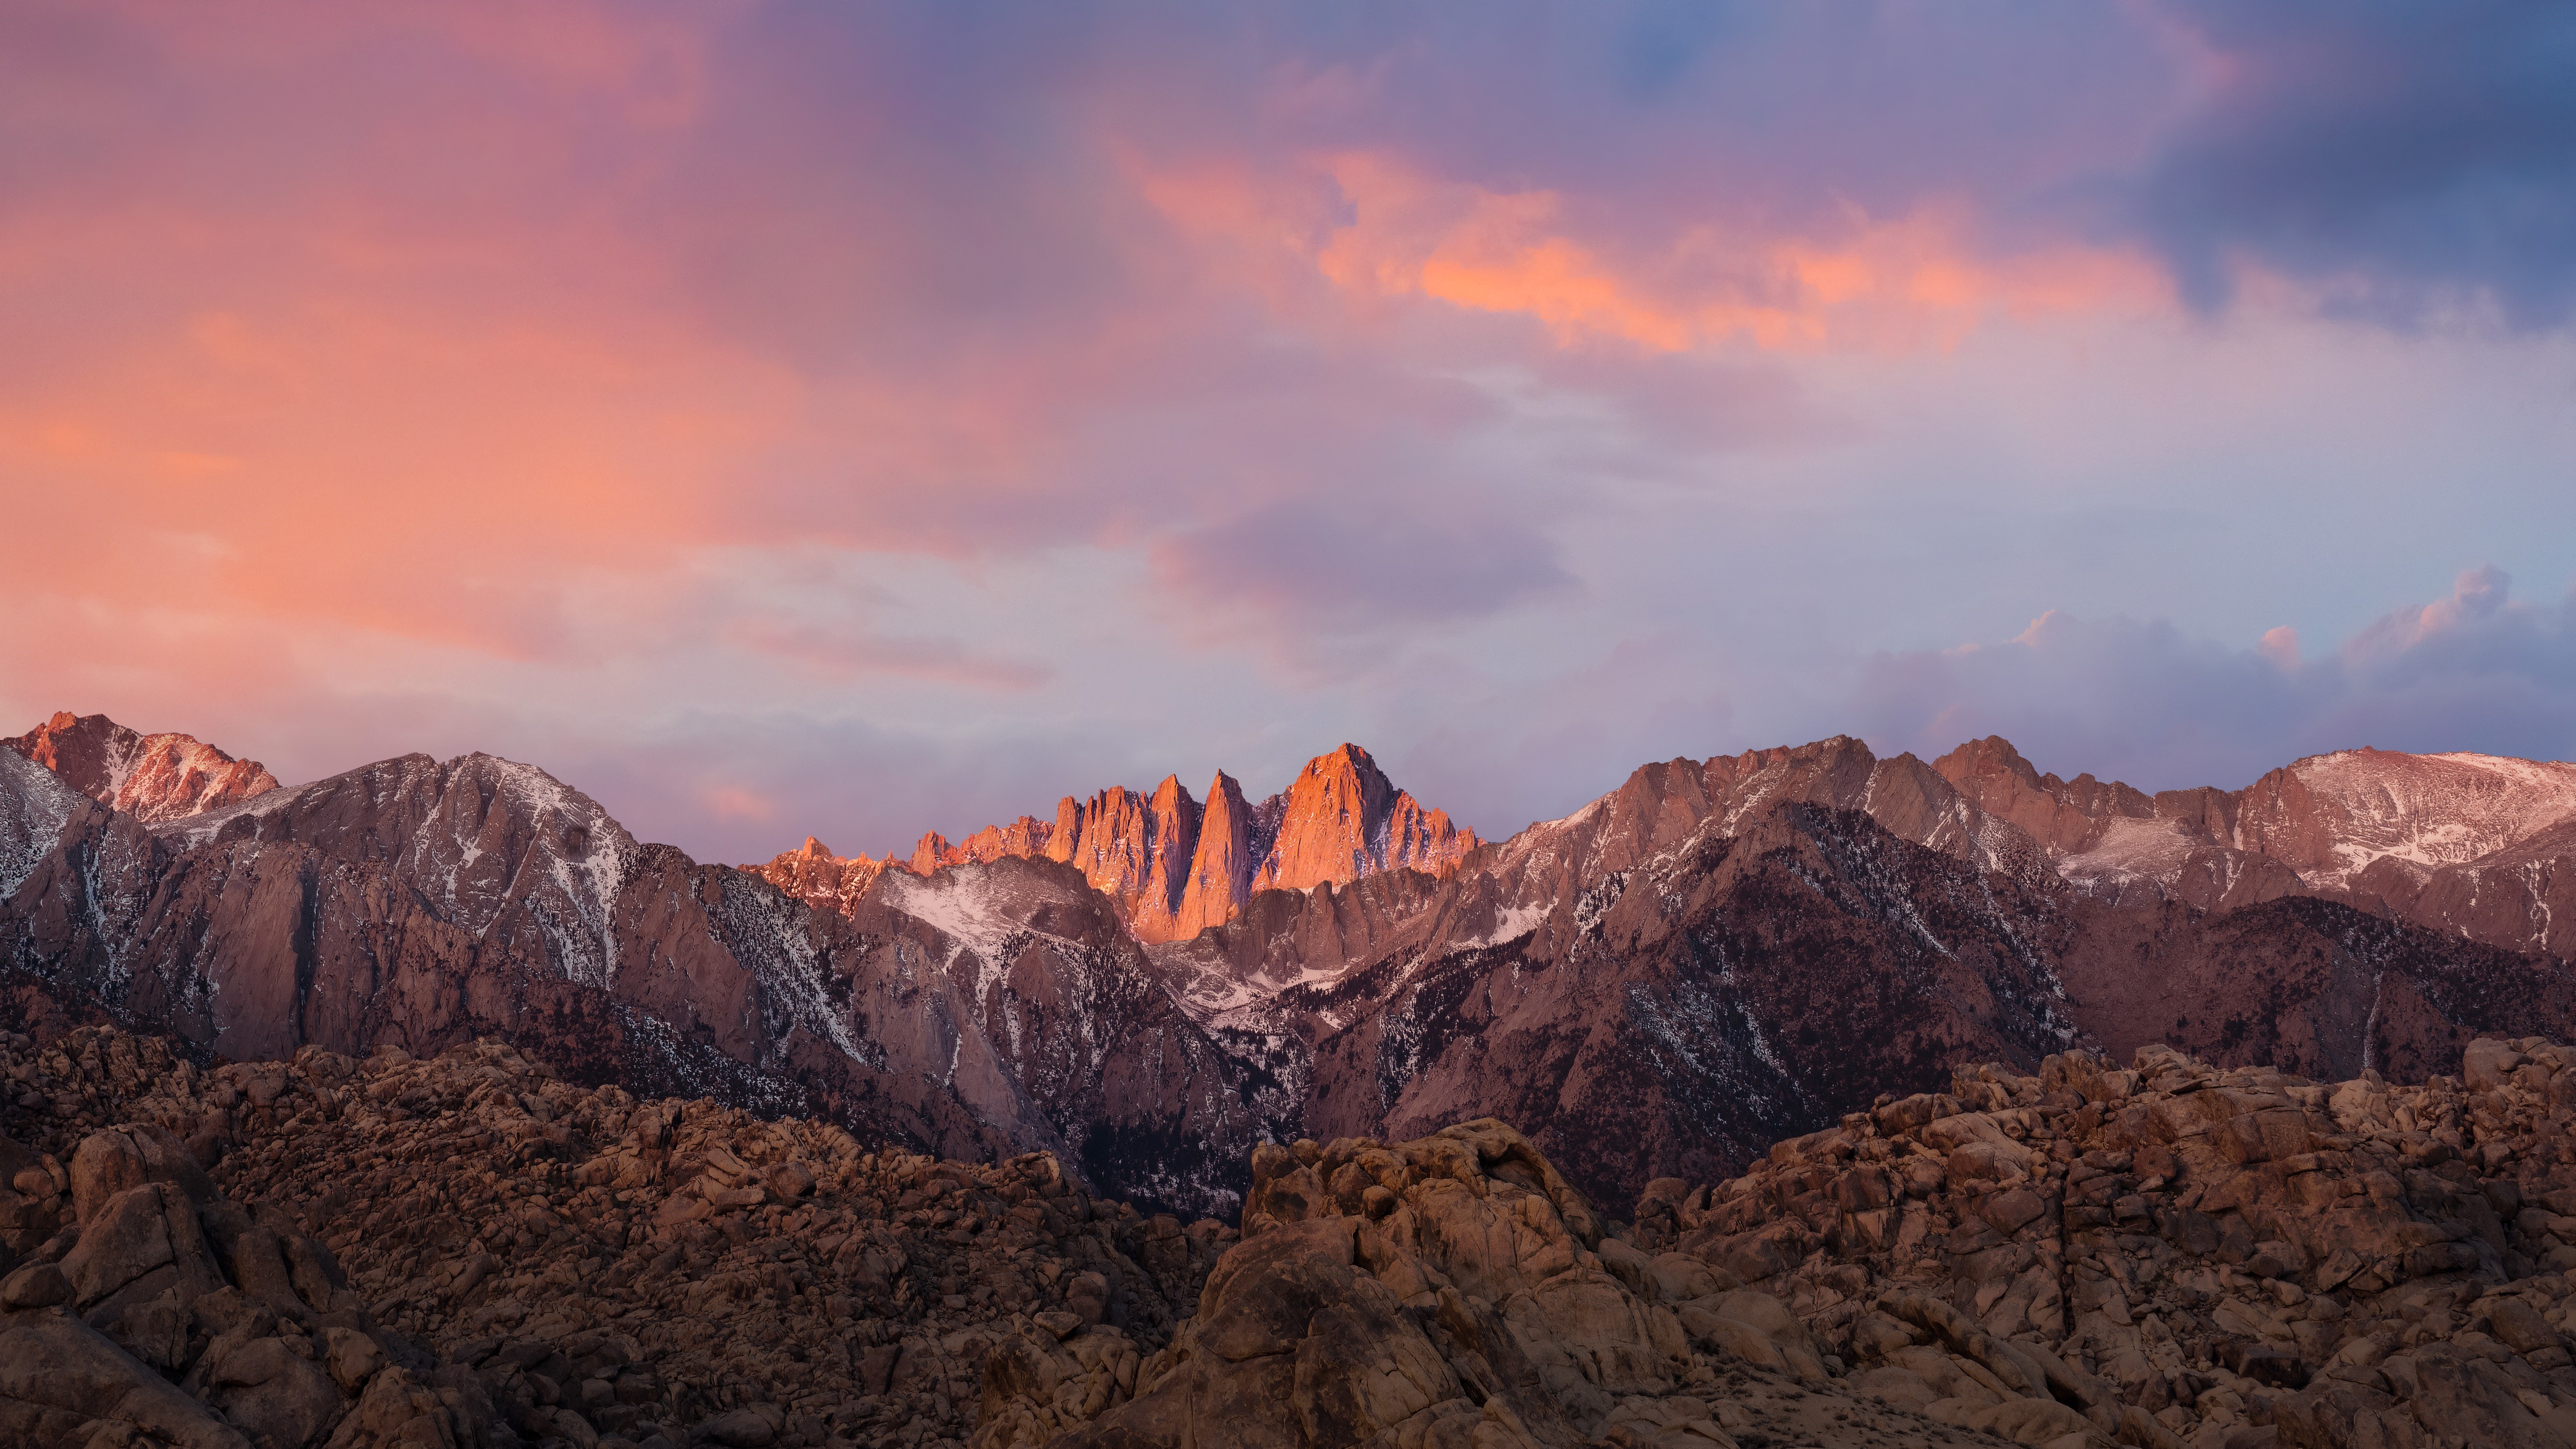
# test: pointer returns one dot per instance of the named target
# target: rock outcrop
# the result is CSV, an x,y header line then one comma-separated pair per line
x,y
1449,1291
150,777
144,1303
1176,866
2182,1253
813,874
470,1251
543,1264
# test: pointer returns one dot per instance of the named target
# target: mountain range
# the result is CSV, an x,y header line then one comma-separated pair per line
x,y
1714,955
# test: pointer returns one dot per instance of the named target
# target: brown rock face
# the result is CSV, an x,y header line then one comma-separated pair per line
x,y
469,1250
2179,1252
1176,868
472,1240
169,1308
813,874
1341,819
2475,844
1454,1290
150,777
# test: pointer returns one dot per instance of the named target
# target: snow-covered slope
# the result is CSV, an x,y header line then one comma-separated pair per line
x,y
34,808
2330,817
488,843
1008,1003
2478,845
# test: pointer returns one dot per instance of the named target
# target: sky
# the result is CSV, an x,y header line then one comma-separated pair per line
x,y
855,420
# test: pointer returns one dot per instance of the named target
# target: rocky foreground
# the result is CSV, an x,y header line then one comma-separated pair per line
x,y
505,1259
469,1251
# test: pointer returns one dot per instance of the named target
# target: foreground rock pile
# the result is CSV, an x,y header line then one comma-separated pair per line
x,y
2185,1254
576,1267
141,1306
471,1252
1445,1293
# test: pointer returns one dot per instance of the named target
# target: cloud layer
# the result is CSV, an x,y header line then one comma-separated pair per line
x,y
870,419
2477,671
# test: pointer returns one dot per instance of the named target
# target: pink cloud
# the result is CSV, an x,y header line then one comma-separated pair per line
x,y
463,374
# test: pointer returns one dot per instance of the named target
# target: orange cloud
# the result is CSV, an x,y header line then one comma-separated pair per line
x,y
1907,282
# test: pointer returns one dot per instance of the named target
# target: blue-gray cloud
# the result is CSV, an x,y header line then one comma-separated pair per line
x,y
2405,157
2476,671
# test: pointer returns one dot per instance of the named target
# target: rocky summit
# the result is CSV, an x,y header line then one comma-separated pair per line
x,y
470,1251
1176,865
150,777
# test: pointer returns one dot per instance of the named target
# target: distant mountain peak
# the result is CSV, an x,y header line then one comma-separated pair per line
x,y
813,874
1176,865
154,777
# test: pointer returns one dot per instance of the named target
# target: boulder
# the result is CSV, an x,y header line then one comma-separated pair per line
x,y
271,1387
120,1159
59,1378
137,1245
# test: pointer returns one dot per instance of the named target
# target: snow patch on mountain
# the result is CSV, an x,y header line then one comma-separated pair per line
x,y
978,919
585,854
2433,810
35,805
151,777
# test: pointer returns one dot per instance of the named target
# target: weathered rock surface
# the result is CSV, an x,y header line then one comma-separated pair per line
x,y
469,1250
2181,1252
571,1266
150,777
1453,1290
141,1304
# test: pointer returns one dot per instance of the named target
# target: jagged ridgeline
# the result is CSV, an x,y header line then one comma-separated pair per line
x,y
1716,955
472,1251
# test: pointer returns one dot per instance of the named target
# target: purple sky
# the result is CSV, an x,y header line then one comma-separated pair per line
x,y
861,420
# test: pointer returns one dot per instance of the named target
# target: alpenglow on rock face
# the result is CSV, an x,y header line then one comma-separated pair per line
x,y
1177,866
150,777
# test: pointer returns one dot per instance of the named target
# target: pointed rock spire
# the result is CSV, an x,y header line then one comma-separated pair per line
x,y
1341,819
1177,867
1220,878
929,855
